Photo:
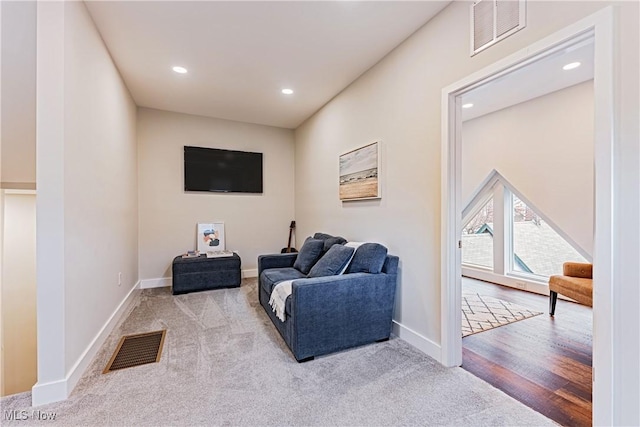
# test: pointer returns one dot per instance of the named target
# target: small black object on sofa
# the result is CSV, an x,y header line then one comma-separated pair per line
x,y
325,314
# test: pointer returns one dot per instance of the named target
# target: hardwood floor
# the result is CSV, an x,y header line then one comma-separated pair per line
x,y
543,362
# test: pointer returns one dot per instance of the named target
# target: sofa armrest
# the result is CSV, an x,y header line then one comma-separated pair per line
x,y
578,269
276,261
391,264
338,312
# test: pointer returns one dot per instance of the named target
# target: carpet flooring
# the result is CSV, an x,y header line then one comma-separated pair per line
x,y
481,313
224,363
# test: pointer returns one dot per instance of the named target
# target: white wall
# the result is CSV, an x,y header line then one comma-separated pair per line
x,y
254,223
18,292
544,147
18,95
626,288
87,213
399,102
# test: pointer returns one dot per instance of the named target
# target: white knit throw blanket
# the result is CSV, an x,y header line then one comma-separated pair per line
x,y
279,297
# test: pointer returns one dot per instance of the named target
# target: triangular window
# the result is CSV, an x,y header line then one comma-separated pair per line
x,y
517,246
477,238
537,248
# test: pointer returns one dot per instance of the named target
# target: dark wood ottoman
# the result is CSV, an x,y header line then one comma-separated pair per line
x,y
202,273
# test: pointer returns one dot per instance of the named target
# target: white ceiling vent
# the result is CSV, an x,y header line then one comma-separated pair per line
x,y
494,20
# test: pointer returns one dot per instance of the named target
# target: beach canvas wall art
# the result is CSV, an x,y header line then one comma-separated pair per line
x,y
359,173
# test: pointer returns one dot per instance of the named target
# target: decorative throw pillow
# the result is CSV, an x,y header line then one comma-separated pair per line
x,y
328,243
309,253
333,262
369,258
329,240
322,236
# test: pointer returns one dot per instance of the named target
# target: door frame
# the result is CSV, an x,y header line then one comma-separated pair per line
x,y
598,26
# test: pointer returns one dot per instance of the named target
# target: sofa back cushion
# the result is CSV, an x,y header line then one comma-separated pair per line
x,y
329,240
333,262
309,253
369,258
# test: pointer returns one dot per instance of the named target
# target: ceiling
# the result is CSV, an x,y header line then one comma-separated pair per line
x,y
240,55
531,81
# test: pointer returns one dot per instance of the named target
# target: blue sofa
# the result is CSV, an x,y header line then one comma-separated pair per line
x,y
330,313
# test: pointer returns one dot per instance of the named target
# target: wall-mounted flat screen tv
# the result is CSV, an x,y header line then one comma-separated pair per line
x,y
225,171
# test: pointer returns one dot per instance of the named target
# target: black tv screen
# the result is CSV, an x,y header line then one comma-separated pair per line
x,y
226,171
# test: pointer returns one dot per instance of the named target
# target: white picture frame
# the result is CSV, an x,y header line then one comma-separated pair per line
x,y
360,173
210,237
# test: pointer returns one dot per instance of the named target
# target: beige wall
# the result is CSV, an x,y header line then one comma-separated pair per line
x,y
18,293
254,223
100,181
544,147
87,213
18,95
17,219
398,101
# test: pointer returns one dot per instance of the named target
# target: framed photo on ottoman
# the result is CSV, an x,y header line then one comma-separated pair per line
x,y
210,237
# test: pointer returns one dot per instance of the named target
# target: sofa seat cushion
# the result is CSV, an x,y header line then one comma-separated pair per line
x,y
309,253
271,277
577,288
369,258
333,262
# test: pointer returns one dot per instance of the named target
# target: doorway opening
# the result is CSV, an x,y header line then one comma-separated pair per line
x,y
531,213
597,27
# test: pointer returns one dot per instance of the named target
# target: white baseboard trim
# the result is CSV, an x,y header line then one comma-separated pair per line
x,y
253,272
59,390
54,391
155,283
420,342
166,281
513,282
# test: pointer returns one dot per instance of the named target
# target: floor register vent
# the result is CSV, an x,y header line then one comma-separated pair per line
x,y
136,350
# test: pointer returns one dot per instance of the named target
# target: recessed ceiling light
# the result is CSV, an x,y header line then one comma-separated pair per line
x,y
571,66
469,105
180,70
287,91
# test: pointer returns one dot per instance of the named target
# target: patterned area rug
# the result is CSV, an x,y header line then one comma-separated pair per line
x,y
481,313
